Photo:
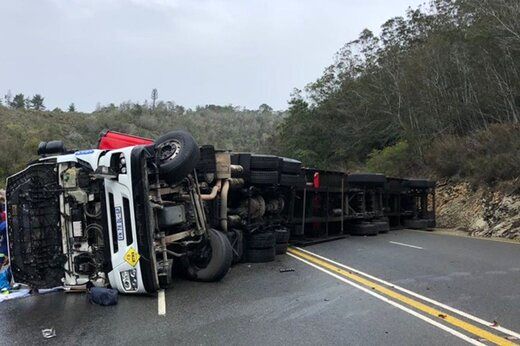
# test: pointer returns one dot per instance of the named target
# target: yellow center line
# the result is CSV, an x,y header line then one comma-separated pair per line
x,y
411,302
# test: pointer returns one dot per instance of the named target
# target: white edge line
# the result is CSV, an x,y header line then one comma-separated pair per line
x,y
393,303
403,244
416,295
161,303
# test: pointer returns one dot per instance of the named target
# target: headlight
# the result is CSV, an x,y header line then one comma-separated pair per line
x,y
122,163
129,280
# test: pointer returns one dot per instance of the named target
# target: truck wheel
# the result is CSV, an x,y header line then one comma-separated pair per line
x,y
281,235
419,224
215,259
265,162
281,249
178,154
382,225
264,177
261,240
363,228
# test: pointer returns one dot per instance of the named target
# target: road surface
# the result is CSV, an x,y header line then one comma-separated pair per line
x,y
401,288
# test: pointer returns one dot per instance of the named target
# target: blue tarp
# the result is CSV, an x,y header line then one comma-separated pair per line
x,y
5,280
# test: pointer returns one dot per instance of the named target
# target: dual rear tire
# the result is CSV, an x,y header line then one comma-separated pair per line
x,y
215,260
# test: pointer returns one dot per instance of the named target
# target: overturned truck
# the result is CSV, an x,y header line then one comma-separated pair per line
x,y
133,211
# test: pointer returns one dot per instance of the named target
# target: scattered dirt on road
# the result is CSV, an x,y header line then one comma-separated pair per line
x,y
481,211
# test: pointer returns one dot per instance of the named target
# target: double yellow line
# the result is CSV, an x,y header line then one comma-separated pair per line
x,y
437,314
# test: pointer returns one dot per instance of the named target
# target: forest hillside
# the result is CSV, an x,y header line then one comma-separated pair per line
x,y
226,127
436,93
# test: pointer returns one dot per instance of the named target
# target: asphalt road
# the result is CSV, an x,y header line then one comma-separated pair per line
x,y
317,303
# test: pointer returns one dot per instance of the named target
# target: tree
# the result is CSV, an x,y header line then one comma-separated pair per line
x,y
18,101
37,102
450,68
72,108
265,108
155,95
8,98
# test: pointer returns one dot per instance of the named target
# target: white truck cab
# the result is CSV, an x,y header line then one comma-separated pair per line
x,y
119,218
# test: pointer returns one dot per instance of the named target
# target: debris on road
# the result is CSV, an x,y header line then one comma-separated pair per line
x,y
285,270
48,333
103,296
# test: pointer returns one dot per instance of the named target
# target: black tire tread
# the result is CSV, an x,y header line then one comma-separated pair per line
x,y
261,240
219,265
281,248
363,228
177,169
281,235
265,162
264,177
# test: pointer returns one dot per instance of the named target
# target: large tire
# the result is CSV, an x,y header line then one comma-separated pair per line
x,y
363,228
281,235
261,240
261,255
178,155
419,223
383,226
219,262
281,248
265,162
264,177
290,166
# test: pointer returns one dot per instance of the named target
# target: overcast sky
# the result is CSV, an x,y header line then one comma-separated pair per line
x,y
240,52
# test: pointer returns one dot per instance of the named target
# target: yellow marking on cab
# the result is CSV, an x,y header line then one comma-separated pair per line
x,y
132,257
411,302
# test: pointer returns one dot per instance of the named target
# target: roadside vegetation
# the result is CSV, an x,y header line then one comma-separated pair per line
x,y
226,127
436,93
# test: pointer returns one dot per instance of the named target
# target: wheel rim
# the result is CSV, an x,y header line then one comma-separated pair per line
x,y
169,150
202,259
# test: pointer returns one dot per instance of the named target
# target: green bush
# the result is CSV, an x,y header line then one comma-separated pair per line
x,y
397,160
487,156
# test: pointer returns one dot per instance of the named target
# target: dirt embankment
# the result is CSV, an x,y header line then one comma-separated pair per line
x,y
482,211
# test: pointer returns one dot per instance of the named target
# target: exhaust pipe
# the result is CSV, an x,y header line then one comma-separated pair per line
x,y
223,206
214,191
